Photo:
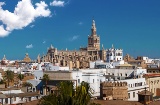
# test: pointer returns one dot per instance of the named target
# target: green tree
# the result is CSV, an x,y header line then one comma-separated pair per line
x,y
69,95
20,77
49,100
66,93
84,93
27,84
8,77
45,80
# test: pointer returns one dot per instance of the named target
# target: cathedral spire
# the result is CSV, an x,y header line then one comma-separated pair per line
x,y
93,29
112,46
4,57
51,46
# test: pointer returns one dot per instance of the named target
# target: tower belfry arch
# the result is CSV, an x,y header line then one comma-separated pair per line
x,y
93,39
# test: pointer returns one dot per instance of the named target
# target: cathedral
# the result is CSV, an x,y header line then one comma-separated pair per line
x,y
76,59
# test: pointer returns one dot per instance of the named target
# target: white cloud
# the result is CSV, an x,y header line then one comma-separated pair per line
x,y
44,42
57,3
80,23
74,38
2,3
3,32
29,46
24,14
32,26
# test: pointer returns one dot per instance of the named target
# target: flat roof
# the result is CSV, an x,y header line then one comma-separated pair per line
x,y
126,64
28,94
60,71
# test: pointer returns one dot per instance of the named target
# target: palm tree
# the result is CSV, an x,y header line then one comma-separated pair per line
x,y
84,93
45,79
20,77
8,77
48,100
66,93
69,95
27,84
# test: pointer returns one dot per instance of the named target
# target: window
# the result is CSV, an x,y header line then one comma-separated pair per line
x,y
126,74
128,95
133,94
112,73
121,74
14,98
93,80
79,81
34,89
6,100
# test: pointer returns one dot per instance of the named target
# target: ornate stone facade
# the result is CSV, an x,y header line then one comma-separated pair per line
x,y
114,90
77,58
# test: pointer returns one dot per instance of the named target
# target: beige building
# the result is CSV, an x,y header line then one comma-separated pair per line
x,y
59,75
27,58
125,66
139,62
153,80
114,91
153,70
77,58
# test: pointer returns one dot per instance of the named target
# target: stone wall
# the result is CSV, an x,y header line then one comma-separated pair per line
x,y
59,75
114,90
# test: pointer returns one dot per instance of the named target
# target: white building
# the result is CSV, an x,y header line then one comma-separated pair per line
x,y
38,74
114,54
11,68
102,65
135,86
8,92
126,72
93,78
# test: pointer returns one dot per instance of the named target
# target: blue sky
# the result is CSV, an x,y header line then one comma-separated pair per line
x,y
133,25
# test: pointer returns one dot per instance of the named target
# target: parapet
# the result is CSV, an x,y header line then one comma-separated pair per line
x,y
114,84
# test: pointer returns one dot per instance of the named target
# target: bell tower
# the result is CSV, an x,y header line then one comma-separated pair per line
x,y
93,29
93,39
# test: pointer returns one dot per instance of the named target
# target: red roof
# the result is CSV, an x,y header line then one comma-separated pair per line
x,y
152,75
